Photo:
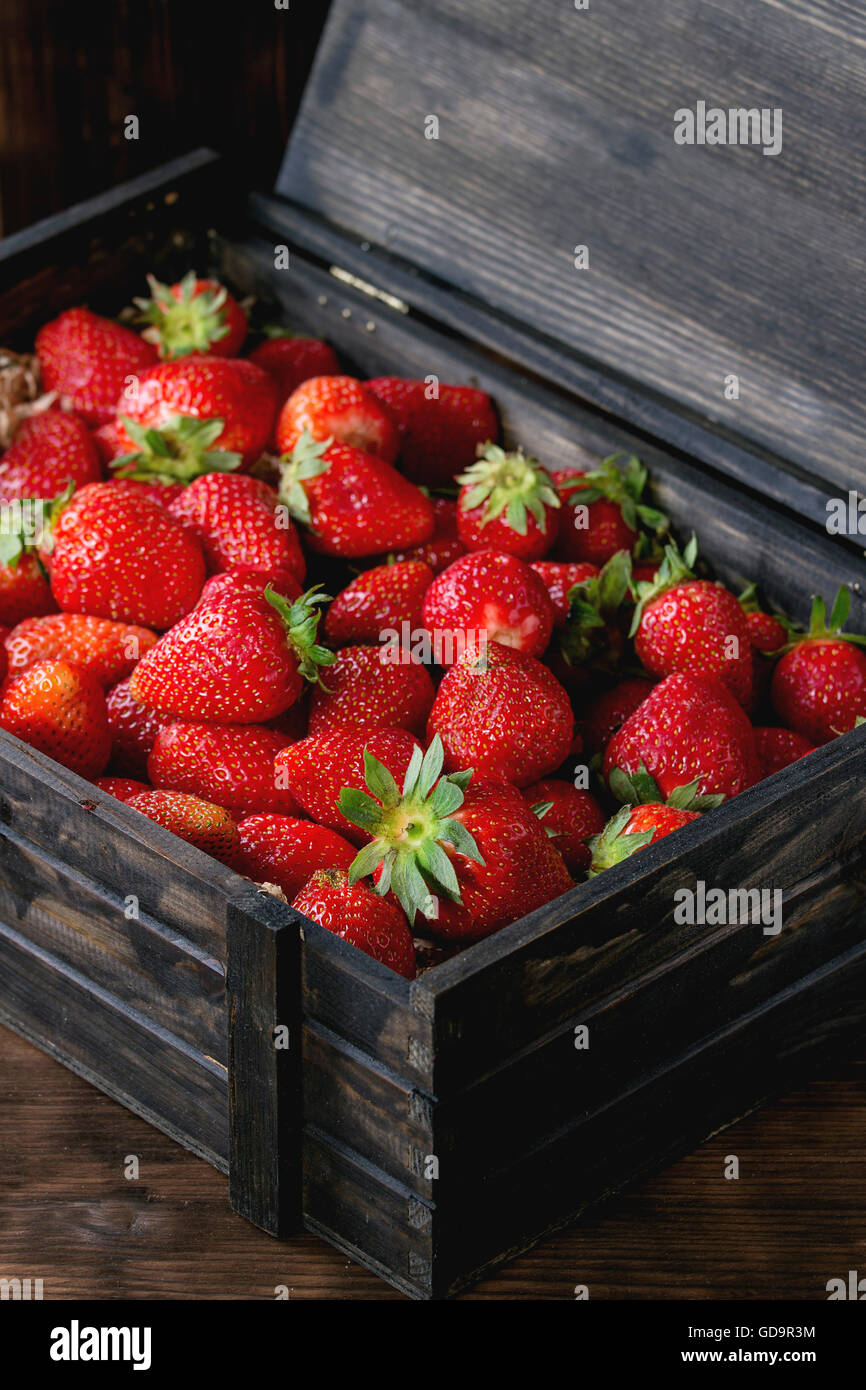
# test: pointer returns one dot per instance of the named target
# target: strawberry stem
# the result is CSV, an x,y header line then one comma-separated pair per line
x,y
307,460
177,452
301,621
178,327
511,483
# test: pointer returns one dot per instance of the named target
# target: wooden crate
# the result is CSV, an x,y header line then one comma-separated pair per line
x,y
434,1129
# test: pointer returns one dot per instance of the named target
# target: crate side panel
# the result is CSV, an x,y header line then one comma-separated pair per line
x,y
145,1068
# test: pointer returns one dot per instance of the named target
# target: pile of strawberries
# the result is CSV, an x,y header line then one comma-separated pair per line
x,y
520,679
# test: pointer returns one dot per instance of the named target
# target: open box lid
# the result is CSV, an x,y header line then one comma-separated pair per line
x,y
556,130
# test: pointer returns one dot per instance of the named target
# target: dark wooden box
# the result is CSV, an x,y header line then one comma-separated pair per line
x,y
434,1129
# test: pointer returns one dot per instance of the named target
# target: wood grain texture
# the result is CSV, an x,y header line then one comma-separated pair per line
x,y
67,1214
556,130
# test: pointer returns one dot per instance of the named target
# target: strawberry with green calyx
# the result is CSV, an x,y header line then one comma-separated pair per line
x,y
570,817
355,913
177,452
351,503
192,316
819,684
508,502
769,632
24,588
465,853
640,789
609,513
694,626
559,579
631,829
243,659
593,631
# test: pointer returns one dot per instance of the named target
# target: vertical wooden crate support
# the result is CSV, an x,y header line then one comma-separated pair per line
x,y
263,987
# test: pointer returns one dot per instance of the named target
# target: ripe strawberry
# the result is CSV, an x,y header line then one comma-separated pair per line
x,y
291,361
572,816
315,770
338,409
609,711
239,660
440,433
232,765
115,555
378,601
373,688
688,728
4,661
49,452
686,624
632,828
200,823
355,913
122,788
819,687
233,390
243,581
444,546
466,853
192,316
502,713
90,360
508,502
607,512
351,503
60,710
559,578
284,851
236,520
777,748
133,728
108,651
24,589
488,593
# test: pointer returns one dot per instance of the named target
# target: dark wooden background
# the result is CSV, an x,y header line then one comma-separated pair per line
x,y
228,76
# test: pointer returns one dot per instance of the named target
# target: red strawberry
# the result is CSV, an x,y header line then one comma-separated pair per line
x,y
280,850
24,590
508,502
559,579
444,546
607,512
351,503
371,688
378,601
91,361
291,361
468,854
236,519
239,660
355,913
4,661
119,556
441,426
122,788
160,493
316,769
819,687
766,633
688,728
233,390
201,823
243,581
488,593
108,651
503,714
632,828
338,409
60,710
49,452
133,729
192,316
232,765
777,748
609,711
572,817
692,625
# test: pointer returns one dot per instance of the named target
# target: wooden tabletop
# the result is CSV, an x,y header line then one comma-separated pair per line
x,y
791,1221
